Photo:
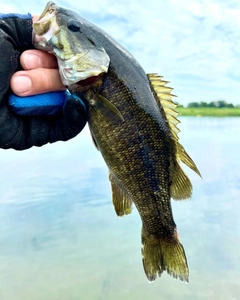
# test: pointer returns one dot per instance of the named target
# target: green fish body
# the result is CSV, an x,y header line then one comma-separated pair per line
x,y
133,123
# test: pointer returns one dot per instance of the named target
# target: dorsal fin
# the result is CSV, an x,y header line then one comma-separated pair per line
x,y
164,100
181,187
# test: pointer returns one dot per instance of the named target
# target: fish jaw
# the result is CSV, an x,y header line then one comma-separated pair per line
x,y
45,27
77,69
78,57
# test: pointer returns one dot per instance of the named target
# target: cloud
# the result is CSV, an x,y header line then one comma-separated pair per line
x,y
194,45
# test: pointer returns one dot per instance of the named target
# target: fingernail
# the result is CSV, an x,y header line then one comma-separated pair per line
x,y
31,61
21,84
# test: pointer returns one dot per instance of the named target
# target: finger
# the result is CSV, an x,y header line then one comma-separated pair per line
x,y
38,81
35,18
33,59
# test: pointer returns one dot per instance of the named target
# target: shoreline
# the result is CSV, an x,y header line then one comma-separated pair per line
x,y
209,112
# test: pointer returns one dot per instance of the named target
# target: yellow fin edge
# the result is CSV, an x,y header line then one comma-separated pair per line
x,y
181,187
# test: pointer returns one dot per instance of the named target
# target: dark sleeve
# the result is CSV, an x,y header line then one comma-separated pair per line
x,y
17,30
19,132
15,37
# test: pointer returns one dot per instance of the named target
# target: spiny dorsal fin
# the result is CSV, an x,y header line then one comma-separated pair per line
x,y
121,202
164,100
181,187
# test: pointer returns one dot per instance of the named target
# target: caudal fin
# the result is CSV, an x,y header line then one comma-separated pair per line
x,y
160,255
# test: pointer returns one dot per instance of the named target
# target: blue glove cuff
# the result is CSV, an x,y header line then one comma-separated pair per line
x,y
20,16
47,104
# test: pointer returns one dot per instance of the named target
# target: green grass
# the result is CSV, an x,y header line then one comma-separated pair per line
x,y
209,111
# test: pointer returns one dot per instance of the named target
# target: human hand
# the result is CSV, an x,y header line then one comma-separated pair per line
x,y
40,71
39,75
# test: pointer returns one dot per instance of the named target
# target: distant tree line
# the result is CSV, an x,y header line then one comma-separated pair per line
x,y
217,104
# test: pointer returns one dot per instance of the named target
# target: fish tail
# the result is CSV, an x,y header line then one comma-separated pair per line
x,y
160,255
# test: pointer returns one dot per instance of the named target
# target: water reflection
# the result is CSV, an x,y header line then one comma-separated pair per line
x,y
60,238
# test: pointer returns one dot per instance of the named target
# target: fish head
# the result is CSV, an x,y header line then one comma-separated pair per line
x,y
57,31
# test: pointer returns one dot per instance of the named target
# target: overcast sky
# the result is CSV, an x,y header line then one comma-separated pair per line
x,y
194,44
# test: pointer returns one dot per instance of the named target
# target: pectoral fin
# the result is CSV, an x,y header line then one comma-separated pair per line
x,y
107,108
121,202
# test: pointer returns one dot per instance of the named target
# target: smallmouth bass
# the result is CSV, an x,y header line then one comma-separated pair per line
x,y
133,123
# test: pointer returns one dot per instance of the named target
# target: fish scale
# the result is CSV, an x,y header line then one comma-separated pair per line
x,y
142,180
133,123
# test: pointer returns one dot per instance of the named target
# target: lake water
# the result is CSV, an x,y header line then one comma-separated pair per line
x,y
61,240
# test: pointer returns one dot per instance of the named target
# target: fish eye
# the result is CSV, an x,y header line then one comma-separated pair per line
x,y
73,25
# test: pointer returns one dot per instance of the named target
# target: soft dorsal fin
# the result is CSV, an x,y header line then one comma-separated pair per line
x,y
186,159
181,187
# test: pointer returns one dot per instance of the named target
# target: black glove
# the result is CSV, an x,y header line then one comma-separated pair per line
x,y
23,132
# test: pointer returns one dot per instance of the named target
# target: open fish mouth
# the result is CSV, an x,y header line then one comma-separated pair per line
x,y
70,76
84,76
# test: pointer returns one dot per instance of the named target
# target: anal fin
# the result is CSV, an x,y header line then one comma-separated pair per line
x,y
121,201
